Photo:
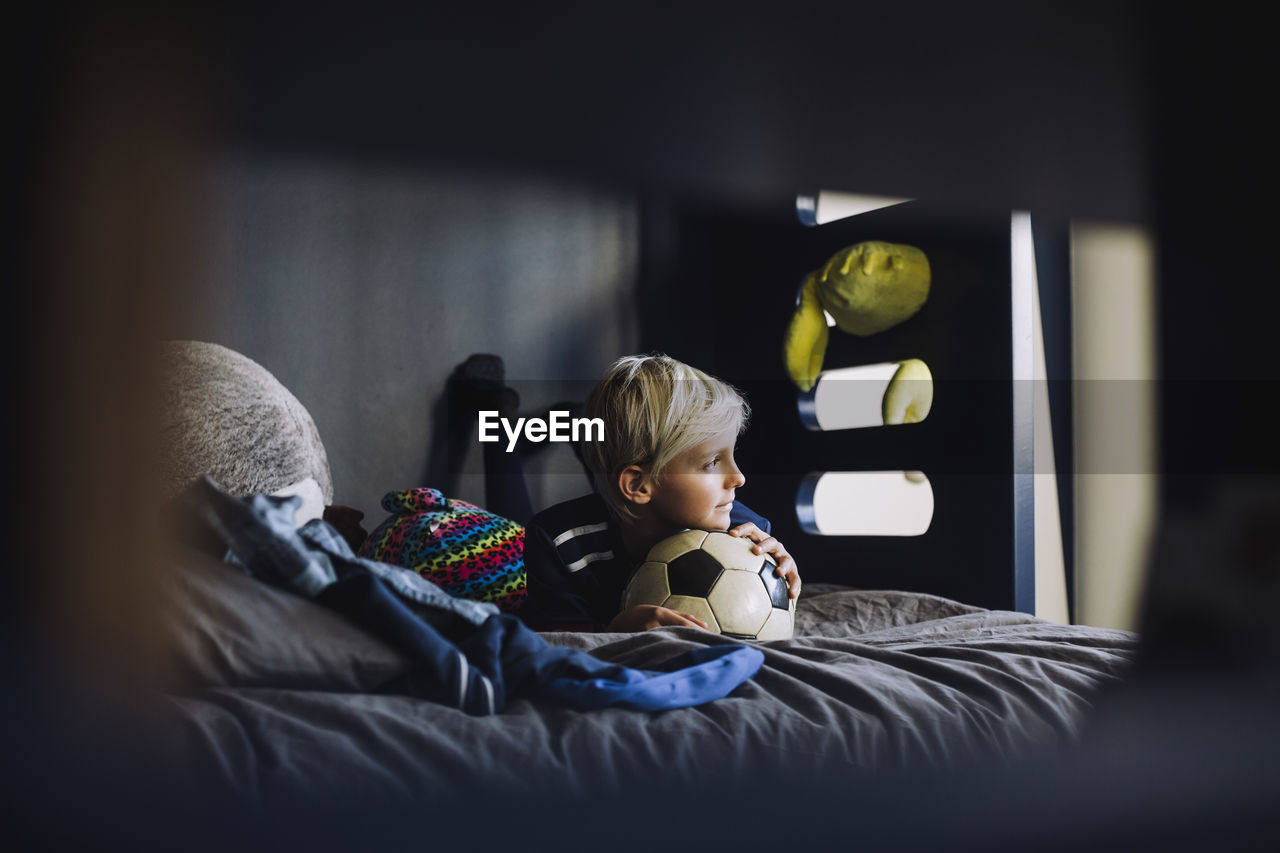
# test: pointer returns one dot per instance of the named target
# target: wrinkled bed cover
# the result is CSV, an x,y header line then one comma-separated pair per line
x,y
873,680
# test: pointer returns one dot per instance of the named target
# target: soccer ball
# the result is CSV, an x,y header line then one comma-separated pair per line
x,y
717,578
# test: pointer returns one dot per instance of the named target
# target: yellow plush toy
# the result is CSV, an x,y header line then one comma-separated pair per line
x,y
867,288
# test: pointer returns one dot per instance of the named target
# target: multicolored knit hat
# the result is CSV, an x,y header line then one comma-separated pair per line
x,y
465,550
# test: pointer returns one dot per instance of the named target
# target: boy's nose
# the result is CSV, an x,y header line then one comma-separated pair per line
x,y
737,478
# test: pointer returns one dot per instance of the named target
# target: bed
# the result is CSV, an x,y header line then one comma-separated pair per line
x,y
280,695
278,701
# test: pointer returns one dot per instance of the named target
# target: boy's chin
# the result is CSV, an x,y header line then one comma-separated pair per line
x,y
719,520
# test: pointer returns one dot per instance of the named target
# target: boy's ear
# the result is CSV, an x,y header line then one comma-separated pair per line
x,y
634,484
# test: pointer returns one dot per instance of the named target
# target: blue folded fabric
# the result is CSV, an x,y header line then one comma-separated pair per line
x,y
517,657
697,676
469,655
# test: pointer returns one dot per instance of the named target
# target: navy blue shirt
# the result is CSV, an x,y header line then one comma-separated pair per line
x,y
577,565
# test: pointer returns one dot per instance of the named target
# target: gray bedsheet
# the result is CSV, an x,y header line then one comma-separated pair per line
x,y
873,681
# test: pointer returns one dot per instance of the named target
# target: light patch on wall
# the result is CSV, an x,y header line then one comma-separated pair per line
x,y
1113,322
363,284
865,503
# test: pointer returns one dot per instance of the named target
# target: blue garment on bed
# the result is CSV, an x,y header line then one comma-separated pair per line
x,y
470,655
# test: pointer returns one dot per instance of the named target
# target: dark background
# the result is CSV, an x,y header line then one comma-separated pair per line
x,y
1127,112
1151,114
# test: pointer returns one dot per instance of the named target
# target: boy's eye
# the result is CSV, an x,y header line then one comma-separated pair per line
x,y
713,463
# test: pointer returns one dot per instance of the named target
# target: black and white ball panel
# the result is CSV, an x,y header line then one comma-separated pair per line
x,y
697,607
776,586
693,573
673,546
647,586
717,578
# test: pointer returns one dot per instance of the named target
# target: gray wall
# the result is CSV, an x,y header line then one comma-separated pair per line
x,y
361,286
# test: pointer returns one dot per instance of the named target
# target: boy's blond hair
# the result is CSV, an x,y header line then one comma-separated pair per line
x,y
654,408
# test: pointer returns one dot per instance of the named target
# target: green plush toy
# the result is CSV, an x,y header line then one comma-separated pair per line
x,y
866,288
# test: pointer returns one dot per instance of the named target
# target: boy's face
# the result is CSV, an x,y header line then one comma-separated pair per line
x,y
697,487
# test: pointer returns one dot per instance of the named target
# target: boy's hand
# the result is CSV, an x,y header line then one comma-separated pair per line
x,y
642,617
767,544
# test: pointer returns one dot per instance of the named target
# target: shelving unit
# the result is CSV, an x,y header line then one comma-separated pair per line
x,y
719,296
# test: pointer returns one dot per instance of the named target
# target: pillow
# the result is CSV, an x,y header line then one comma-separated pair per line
x,y
226,629
227,416
465,550
313,502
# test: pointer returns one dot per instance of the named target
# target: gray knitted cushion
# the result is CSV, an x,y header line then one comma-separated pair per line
x,y
225,415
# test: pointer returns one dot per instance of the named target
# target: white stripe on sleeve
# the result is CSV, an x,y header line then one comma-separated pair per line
x,y
587,560
579,531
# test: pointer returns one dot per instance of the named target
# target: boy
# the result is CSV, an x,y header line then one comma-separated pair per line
x,y
666,464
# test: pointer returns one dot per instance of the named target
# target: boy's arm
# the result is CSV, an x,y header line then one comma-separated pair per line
x,y
551,604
